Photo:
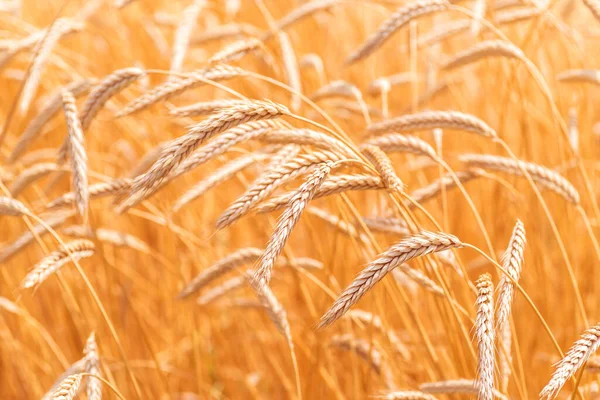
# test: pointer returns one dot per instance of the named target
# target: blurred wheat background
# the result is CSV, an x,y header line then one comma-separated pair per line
x,y
129,129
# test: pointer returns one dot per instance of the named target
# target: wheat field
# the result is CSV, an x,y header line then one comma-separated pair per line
x,y
285,199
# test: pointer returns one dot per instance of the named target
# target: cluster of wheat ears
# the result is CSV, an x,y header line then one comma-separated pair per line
x,y
366,198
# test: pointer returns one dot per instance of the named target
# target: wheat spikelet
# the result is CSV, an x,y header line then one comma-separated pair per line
x,y
443,32
286,223
12,207
455,386
266,184
387,225
306,137
45,47
217,177
78,154
367,352
75,250
580,75
445,182
226,287
235,51
92,366
51,106
396,21
416,245
542,175
574,359
68,388
488,48
395,142
205,108
336,184
76,368
383,165
107,88
96,190
54,220
176,86
433,119
407,395
290,66
484,332
30,175
594,8
520,14
116,238
184,32
374,320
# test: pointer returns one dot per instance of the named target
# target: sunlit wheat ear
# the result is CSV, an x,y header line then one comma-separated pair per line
x,y
395,142
68,388
306,137
456,386
416,245
97,190
517,15
51,106
433,119
219,176
92,366
336,88
290,66
547,178
594,8
235,51
184,32
231,30
479,9
79,161
484,332
180,85
266,184
333,185
367,352
276,313
181,148
45,47
337,223
445,182
286,223
387,225
383,165
54,261
406,395
226,287
489,48
110,236
580,75
30,175
303,11
205,108
400,18
577,355
386,83
573,129
76,368
12,207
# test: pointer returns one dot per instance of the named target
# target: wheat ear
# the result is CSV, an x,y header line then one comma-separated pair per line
x,y
406,395
395,142
205,108
594,8
383,165
104,235
13,207
76,368
97,190
30,175
456,386
290,66
306,137
580,75
184,32
387,225
445,182
235,51
92,366
68,388
484,332
488,48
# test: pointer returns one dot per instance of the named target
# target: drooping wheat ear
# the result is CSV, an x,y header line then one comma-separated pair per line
x,y
68,388
267,183
545,177
488,48
406,395
445,182
512,262
51,106
286,223
387,225
336,88
226,287
422,280
581,351
303,11
235,51
110,86
520,14
594,8
416,245
54,261
284,154
219,32
179,149
383,165
290,66
13,207
147,160
336,222
219,176
45,47
92,366
205,108
443,32
30,175
456,386
78,154
54,220
110,236
433,119
573,129
221,267
580,75
306,137
396,21
367,352
367,318
97,190
395,142
76,368
484,332
179,85
184,32
276,313
336,184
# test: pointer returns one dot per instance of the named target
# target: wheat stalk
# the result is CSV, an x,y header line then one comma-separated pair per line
x,y
484,332
383,165
395,142
68,388
488,48
408,248
92,366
